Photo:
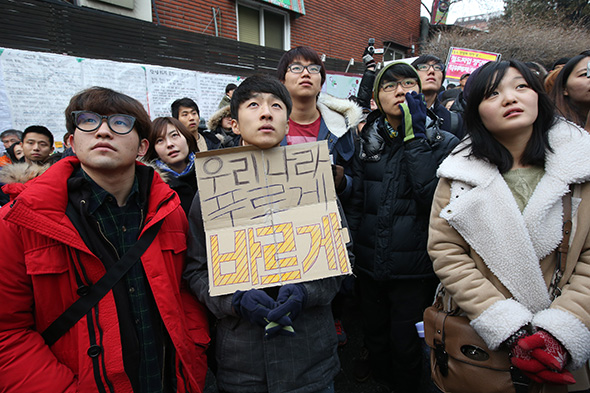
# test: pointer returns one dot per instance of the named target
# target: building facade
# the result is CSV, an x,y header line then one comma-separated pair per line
x,y
339,29
227,35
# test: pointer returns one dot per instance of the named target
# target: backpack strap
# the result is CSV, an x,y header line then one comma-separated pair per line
x,y
90,296
455,122
563,248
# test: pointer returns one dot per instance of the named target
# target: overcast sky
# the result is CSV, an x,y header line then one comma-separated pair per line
x,y
468,8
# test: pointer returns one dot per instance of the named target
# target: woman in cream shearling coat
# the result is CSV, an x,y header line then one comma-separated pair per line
x,y
493,240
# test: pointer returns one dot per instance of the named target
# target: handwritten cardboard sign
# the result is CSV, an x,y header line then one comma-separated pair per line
x,y
270,217
465,61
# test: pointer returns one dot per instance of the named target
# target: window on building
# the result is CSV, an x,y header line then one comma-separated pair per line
x,y
139,9
263,26
120,3
249,25
392,54
274,30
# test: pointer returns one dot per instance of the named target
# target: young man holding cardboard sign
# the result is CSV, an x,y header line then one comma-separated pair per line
x,y
269,339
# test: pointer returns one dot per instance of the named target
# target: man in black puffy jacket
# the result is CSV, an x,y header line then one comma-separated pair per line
x,y
394,178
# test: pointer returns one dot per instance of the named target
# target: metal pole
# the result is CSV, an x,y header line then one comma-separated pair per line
x,y
215,21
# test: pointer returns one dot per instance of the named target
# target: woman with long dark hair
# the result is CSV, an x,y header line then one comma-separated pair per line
x,y
571,91
496,223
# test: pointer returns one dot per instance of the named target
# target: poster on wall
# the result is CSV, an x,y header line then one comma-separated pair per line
x,y
270,217
38,87
341,86
126,78
166,84
465,61
212,89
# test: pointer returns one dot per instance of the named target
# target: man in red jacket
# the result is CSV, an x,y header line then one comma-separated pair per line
x,y
60,236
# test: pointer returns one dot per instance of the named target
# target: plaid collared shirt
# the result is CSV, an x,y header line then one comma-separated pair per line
x,y
121,225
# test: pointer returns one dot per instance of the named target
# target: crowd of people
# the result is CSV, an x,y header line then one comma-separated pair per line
x,y
105,273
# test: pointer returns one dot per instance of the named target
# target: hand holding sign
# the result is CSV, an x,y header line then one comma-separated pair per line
x,y
291,300
255,305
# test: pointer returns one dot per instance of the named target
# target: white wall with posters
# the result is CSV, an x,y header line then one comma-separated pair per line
x,y
36,87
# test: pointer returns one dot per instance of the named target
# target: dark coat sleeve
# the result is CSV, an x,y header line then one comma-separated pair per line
x,y
452,122
366,89
196,273
353,205
422,161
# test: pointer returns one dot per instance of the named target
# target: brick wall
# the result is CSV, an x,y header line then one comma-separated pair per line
x,y
197,16
340,29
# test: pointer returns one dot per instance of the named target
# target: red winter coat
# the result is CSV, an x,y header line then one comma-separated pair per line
x,y
37,283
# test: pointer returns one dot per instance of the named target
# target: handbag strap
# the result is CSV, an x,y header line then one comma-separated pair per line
x,y
90,296
563,247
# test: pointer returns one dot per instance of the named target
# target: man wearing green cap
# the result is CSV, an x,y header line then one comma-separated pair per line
x,y
394,178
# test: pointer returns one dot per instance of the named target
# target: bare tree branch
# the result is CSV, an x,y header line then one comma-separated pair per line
x,y
521,37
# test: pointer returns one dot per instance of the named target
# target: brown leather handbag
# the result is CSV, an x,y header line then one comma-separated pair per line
x,y
460,361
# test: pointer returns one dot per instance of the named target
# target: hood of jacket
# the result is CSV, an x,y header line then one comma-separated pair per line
x,y
167,177
381,73
480,198
15,176
339,114
215,119
41,205
21,172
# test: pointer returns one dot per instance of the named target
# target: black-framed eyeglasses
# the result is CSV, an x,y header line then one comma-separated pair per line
x,y
407,83
426,67
311,68
88,121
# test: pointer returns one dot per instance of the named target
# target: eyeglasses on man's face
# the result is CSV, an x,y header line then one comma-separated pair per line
x,y
88,121
406,84
426,67
311,68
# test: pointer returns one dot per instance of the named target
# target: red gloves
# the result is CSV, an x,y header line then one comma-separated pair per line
x,y
546,349
542,358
